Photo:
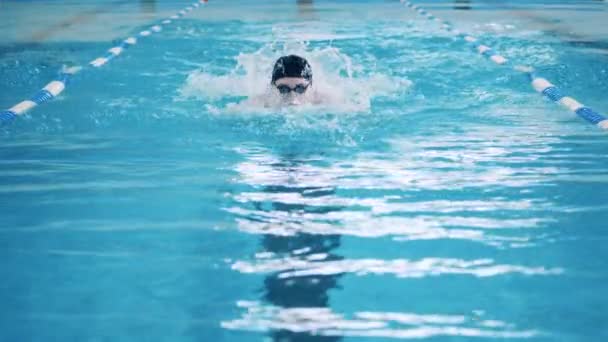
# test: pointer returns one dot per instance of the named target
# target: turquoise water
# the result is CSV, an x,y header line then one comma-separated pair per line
x,y
435,196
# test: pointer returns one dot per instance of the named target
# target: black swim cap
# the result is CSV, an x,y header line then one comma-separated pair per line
x,y
291,66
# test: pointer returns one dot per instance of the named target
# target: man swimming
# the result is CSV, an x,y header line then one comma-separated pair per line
x,y
290,85
292,77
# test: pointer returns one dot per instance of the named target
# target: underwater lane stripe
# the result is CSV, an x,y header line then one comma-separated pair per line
x,y
23,106
570,103
553,93
7,115
117,50
498,59
41,96
64,78
590,115
539,84
57,86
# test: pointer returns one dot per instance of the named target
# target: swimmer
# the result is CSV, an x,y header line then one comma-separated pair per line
x,y
291,78
290,85
292,81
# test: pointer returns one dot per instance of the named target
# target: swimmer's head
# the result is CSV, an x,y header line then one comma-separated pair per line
x,y
291,74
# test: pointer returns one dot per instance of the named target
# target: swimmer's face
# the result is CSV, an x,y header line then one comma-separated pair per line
x,y
291,88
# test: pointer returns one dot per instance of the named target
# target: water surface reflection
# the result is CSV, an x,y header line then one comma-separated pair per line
x,y
303,207
296,293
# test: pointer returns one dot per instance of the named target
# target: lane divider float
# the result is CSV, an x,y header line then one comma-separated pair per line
x,y
58,85
539,84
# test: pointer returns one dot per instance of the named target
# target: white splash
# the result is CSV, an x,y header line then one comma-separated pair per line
x,y
339,85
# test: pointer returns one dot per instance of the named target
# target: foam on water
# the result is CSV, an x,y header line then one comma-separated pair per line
x,y
339,84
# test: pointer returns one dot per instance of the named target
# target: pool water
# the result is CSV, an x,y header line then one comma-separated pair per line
x,y
435,196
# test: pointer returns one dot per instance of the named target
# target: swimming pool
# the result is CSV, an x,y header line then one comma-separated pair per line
x,y
436,197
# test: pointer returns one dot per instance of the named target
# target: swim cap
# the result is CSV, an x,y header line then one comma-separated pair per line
x,y
291,66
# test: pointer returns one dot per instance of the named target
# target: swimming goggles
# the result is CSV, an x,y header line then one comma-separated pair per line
x,y
285,89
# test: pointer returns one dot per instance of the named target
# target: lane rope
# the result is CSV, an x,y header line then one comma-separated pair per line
x,y
58,85
540,84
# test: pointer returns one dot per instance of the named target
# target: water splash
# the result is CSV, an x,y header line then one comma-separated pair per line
x,y
339,84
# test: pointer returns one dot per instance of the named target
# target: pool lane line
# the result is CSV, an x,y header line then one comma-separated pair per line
x,y
539,84
58,85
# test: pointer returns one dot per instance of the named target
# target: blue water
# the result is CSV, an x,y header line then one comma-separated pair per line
x,y
438,198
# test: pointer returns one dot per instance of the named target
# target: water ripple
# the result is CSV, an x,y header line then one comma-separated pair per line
x,y
314,265
324,322
401,228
